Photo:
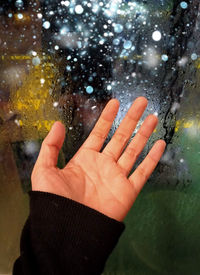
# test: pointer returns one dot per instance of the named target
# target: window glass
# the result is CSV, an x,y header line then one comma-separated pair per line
x,y
63,60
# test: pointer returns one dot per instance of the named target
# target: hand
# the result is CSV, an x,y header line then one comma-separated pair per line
x,y
100,180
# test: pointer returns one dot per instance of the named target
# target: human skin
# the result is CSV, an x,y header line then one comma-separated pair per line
x,y
101,180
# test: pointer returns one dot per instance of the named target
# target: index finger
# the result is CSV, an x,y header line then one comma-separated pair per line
x,y
100,131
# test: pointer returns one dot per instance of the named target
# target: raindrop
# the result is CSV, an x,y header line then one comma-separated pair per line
x,y
116,42
184,5
89,89
46,25
20,16
127,44
194,56
165,57
36,61
118,28
19,4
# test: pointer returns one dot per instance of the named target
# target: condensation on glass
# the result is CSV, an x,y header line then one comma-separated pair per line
x,y
64,60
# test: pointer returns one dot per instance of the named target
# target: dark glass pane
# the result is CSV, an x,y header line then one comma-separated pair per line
x,y
63,60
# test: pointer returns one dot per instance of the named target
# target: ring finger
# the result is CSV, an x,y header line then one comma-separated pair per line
x,y
133,150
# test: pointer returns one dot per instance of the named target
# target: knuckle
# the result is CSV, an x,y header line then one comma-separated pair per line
x,y
132,118
143,135
153,160
97,133
143,174
122,138
132,152
110,154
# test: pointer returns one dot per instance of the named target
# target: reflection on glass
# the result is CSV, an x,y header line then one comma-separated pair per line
x,y
63,60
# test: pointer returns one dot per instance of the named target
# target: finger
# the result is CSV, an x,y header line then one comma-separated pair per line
x,y
51,145
100,131
122,135
146,168
133,150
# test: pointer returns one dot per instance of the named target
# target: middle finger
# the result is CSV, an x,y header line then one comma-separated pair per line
x,y
122,135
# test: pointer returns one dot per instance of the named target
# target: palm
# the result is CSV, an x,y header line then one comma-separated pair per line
x,y
99,180
104,183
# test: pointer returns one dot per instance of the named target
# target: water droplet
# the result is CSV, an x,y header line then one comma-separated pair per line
x,y
116,42
89,89
194,56
165,57
36,61
68,68
184,5
118,28
46,25
20,16
19,3
127,44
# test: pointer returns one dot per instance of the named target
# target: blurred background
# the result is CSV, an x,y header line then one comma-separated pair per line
x,y
64,60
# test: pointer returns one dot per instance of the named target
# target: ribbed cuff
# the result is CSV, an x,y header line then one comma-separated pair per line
x,y
74,231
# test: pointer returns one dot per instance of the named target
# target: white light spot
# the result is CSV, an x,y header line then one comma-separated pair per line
x,y
39,15
156,36
183,61
55,104
65,3
42,81
79,9
20,15
46,25
31,147
109,87
165,58
34,53
17,122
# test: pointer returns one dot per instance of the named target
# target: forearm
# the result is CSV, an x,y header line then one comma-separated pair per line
x,y
62,236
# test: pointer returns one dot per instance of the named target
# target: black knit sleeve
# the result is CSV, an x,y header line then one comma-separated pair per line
x,y
62,236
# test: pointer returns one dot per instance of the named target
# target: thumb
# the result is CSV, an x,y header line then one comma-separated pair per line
x,y
51,146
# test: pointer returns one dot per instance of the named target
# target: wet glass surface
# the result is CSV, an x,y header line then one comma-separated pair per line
x,y
63,60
